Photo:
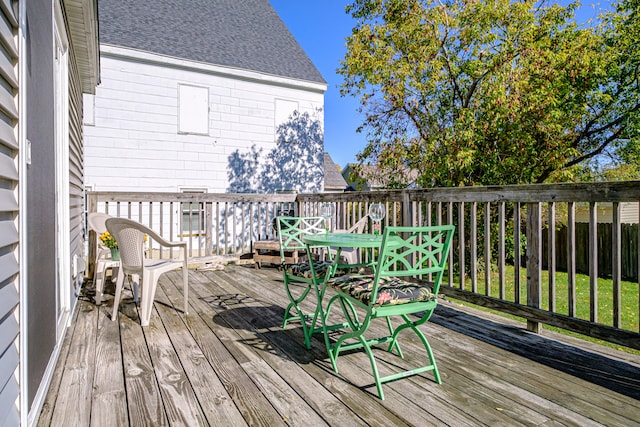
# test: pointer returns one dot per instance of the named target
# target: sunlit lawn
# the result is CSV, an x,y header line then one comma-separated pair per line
x,y
629,311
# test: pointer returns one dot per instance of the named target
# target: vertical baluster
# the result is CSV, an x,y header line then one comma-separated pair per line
x,y
501,245
571,257
616,270
551,255
487,248
473,229
450,221
462,243
593,261
534,267
208,228
516,252
217,228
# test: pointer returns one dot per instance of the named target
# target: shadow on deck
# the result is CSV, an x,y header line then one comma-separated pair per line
x,y
230,363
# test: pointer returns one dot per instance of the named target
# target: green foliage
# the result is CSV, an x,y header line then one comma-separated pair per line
x,y
472,92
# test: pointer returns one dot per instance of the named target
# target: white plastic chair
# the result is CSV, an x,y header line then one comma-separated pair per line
x,y
103,261
133,261
351,255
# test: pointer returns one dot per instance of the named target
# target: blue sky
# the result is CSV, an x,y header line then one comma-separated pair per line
x,y
321,26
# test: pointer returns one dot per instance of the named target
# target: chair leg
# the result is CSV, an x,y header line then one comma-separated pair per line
x,y
98,280
293,304
135,287
394,342
116,298
374,366
149,284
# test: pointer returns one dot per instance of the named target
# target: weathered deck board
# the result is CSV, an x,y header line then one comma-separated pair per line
x,y
144,401
217,405
50,400
73,408
230,363
110,401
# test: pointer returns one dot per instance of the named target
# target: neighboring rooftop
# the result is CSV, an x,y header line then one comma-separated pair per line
x,y
333,180
245,34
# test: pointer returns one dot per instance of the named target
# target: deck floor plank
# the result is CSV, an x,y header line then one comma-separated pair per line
x,y
254,406
215,402
229,362
109,403
144,401
72,408
178,398
56,378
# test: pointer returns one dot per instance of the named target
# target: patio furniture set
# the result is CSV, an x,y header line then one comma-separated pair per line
x,y
395,274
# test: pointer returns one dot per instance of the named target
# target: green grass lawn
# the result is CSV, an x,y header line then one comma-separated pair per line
x,y
629,311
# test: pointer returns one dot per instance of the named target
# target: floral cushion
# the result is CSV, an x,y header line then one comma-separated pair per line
x,y
303,269
392,290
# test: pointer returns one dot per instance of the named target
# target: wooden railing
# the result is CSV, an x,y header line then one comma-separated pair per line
x,y
212,224
501,227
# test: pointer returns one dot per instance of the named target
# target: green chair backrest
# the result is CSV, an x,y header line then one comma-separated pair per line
x,y
414,251
292,229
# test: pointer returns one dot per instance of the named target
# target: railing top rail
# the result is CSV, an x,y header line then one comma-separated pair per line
x,y
122,196
624,191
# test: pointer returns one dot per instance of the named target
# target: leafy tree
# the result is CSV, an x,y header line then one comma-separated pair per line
x,y
492,92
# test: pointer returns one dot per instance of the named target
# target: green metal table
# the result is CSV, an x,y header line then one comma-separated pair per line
x,y
339,241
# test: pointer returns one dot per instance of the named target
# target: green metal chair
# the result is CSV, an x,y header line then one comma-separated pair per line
x,y
406,254
290,233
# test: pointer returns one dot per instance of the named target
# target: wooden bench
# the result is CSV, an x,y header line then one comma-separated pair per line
x,y
269,251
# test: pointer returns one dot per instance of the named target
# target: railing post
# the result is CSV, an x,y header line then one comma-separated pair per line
x,y
208,237
407,212
534,255
92,206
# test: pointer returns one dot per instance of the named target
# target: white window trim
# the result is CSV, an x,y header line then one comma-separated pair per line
x,y
191,232
191,119
61,84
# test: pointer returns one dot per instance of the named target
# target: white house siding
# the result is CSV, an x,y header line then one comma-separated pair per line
x,y
133,143
9,220
628,213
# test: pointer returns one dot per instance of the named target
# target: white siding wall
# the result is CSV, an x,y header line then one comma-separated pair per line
x,y
134,144
628,213
10,217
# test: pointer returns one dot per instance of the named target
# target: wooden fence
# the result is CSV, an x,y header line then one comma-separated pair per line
x,y
501,246
628,243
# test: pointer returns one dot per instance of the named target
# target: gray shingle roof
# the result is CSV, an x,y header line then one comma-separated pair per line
x,y
333,180
245,34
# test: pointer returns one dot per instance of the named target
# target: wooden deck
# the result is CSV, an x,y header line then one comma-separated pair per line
x,y
229,363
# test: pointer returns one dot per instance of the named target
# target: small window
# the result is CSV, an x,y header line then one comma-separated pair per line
x,y
283,111
193,109
192,214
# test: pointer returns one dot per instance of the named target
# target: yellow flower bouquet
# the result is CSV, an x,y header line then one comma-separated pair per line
x,y
107,240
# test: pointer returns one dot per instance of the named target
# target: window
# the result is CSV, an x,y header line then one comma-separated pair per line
x,y
193,109
192,214
283,111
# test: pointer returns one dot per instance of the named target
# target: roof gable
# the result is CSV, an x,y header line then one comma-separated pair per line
x,y
333,180
245,34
